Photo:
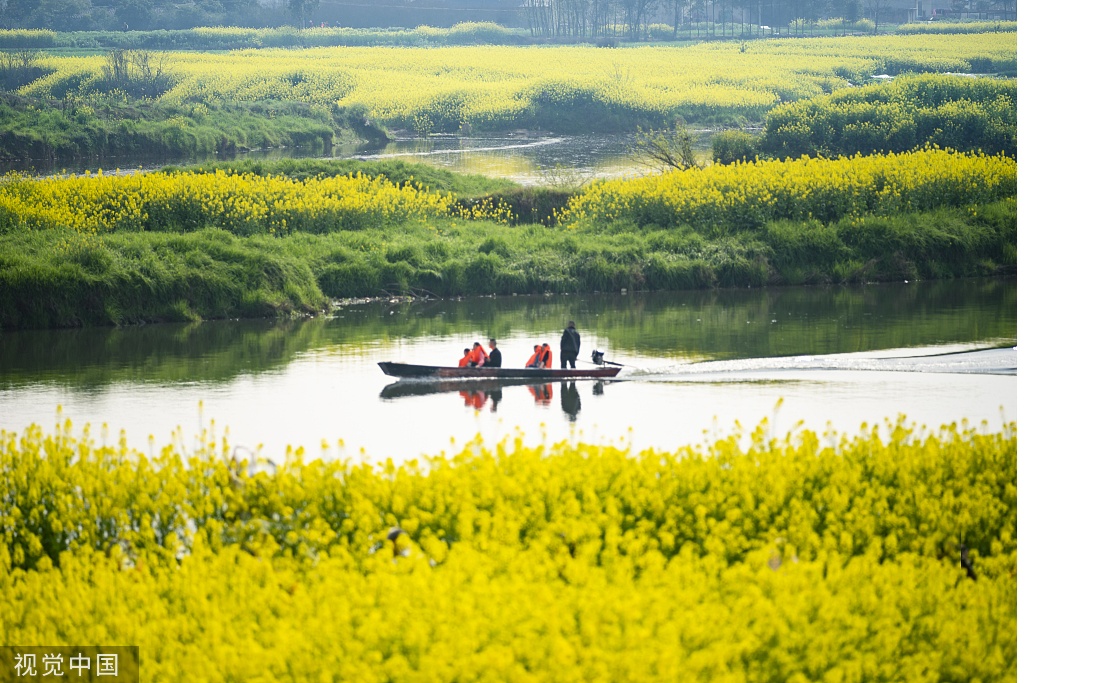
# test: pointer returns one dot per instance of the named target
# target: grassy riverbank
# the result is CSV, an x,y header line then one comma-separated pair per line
x,y
53,278
233,241
769,561
63,129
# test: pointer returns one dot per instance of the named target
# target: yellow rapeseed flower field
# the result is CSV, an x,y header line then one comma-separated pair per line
x,y
724,199
805,558
718,200
494,86
245,204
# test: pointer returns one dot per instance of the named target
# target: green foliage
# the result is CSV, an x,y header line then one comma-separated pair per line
x,y
666,149
20,67
734,145
572,109
953,112
238,37
139,74
530,204
57,278
951,27
396,171
135,277
68,130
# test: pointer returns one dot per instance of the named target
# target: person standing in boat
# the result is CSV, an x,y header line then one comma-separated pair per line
x,y
569,346
494,358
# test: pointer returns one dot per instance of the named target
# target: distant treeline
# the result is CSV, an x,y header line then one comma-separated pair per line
x,y
954,112
582,19
237,38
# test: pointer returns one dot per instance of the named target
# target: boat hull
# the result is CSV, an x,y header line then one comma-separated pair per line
x,y
405,370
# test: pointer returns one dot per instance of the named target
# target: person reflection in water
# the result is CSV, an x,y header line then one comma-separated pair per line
x,y
542,393
569,400
474,399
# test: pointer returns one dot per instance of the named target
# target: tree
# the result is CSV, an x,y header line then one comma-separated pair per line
x,y
635,13
302,9
851,12
875,7
673,148
134,14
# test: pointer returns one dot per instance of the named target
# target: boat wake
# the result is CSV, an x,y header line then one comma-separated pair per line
x,y
996,361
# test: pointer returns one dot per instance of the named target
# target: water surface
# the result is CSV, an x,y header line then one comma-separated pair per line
x,y
696,363
525,157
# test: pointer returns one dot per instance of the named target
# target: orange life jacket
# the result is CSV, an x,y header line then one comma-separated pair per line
x,y
465,360
533,359
547,356
477,356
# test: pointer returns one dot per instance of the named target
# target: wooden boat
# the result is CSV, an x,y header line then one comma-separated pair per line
x,y
408,371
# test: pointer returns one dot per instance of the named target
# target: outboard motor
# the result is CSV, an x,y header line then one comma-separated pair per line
x,y
596,357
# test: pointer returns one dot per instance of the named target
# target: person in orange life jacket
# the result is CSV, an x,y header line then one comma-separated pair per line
x,y
478,357
532,362
466,358
547,355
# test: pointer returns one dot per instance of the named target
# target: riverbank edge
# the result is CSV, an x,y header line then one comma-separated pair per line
x,y
58,279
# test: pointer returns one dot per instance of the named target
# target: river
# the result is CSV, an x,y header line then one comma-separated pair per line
x,y
525,157
697,364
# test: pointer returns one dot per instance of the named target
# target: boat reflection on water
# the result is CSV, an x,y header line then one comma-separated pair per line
x,y
487,394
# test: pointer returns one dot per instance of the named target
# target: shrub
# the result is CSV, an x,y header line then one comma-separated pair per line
x,y
730,146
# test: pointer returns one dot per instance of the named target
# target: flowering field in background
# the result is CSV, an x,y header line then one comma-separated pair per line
x,y
724,199
243,204
430,89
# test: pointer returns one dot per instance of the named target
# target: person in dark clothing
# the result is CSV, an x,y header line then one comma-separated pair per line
x,y
569,346
569,400
494,358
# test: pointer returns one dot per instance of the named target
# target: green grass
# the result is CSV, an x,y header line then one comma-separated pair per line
x,y
952,112
63,130
398,172
55,279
